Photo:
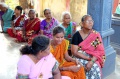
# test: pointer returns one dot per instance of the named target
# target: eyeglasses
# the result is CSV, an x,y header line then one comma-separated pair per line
x,y
88,21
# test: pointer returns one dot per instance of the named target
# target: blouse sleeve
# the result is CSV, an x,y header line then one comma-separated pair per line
x,y
56,65
76,39
74,24
57,23
74,27
23,66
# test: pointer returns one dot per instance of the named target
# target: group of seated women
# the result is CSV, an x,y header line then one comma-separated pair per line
x,y
46,55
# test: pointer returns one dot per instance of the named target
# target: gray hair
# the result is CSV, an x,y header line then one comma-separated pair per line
x,y
32,10
4,5
65,13
83,18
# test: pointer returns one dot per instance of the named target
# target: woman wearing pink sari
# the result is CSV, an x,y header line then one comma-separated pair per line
x,y
37,62
87,47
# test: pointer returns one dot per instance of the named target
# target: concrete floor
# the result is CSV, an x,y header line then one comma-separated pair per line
x,y
9,56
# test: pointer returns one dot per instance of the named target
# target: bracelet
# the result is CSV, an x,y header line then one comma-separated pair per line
x,y
78,65
93,61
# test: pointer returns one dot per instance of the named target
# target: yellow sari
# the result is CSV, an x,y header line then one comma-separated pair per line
x,y
59,53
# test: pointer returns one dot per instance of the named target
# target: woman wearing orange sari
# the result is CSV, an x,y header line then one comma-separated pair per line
x,y
87,44
68,66
30,28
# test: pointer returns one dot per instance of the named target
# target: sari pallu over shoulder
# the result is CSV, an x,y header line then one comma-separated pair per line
x,y
31,30
39,70
93,46
21,18
59,53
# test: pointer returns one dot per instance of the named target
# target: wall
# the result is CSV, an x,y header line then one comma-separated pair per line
x,y
56,6
115,4
2,0
78,8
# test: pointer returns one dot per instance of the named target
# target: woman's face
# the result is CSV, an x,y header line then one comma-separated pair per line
x,y
58,38
48,14
66,19
88,23
44,53
17,11
3,9
31,15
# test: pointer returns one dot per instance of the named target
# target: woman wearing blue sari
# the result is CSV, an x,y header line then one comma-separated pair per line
x,y
6,17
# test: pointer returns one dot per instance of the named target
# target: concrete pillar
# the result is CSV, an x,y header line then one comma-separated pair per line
x,y
101,11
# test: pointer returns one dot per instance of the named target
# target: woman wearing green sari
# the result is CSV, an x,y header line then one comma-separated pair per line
x,y
6,17
68,26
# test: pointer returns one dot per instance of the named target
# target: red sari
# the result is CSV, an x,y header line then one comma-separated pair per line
x,y
18,23
31,29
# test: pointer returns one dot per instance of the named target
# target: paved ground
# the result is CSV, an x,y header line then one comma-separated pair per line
x,y
9,56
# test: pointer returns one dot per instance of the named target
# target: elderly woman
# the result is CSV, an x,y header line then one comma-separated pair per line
x,y
87,47
6,17
48,24
30,29
68,26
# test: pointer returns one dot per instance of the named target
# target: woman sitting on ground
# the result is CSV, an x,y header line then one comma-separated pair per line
x,y
30,29
69,67
37,62
17,22
48,24
6,17
68,26
87,47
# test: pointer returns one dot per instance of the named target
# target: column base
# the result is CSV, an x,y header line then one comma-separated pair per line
x,y
109,66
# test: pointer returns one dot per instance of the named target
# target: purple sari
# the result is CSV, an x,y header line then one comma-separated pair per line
x,y
48,27
1,13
